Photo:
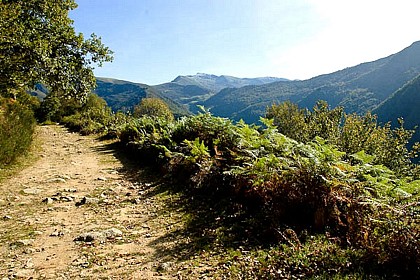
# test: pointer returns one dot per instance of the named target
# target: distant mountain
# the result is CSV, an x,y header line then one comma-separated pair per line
x,y
191,90
358,89
404,103
123,95
216,83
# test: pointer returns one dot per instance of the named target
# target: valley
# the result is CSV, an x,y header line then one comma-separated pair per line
x,y
358,89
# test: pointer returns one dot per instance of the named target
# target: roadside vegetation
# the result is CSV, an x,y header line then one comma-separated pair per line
x,y
339,200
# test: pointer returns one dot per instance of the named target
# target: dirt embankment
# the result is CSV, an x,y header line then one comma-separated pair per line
x,y
80,212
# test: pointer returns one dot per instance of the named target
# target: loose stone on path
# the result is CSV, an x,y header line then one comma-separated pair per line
x,y
99,236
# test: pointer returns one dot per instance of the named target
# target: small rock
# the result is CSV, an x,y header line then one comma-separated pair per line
x,y
29,264
102,179
112,233
164,267
48,200
29,251
135,201
70,190
56,180
91,237
99,236
23,242
31,191
24,273
65,177
87,200
66,198
7,217
57,233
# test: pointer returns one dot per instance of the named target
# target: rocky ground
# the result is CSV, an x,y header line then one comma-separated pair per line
x,y
82,212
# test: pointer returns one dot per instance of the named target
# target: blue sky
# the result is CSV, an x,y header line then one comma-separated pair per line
x,y
156,40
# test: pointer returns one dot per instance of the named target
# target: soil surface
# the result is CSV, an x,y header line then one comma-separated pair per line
x,y
82,212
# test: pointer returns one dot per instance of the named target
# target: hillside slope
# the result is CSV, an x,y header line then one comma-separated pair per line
x,y
359,89
192,90
405,104
123,95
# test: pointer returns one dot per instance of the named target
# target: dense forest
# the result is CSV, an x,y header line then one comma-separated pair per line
x,y
320,193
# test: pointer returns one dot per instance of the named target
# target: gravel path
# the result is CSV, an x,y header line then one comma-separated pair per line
x,y
79,213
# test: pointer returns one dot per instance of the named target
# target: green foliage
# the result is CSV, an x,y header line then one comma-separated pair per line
x,y
38,44
216,133
289,119
351,134
307,186
17,125
123,96
317,258
148,137
93,117
324,122
153,107
304,125
198,150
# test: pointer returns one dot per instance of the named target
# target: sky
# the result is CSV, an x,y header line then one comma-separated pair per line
x,y
154,41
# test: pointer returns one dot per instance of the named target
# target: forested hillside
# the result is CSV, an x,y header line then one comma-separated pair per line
x,y
405,104
189,91
123,96
358,89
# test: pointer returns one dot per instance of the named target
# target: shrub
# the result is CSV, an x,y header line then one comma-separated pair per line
x,y
93,117
17,124
350,133
310,186
148,137
153,107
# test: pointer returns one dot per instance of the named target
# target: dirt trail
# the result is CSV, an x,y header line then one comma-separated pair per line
x,y
79,189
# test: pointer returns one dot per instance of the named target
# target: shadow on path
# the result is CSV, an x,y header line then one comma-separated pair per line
x,y
211,221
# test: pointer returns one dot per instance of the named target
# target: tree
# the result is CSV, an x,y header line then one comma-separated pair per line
x,y
324,122
289,119
38,44
153,107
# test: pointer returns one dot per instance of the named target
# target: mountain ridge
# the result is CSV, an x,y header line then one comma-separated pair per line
x,y
192,90
359,89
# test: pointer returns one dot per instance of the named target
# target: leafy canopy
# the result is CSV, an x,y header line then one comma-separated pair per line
x,y
350,133
153,107
38,44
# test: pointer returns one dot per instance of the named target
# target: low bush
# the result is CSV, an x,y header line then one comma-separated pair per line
x,y
365,205
93,117
350,133
17,124
311,187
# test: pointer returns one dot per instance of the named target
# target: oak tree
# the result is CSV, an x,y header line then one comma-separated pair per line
x,y
38,44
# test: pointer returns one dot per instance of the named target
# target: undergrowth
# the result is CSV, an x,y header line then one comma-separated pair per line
x,y
321,211
17,124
